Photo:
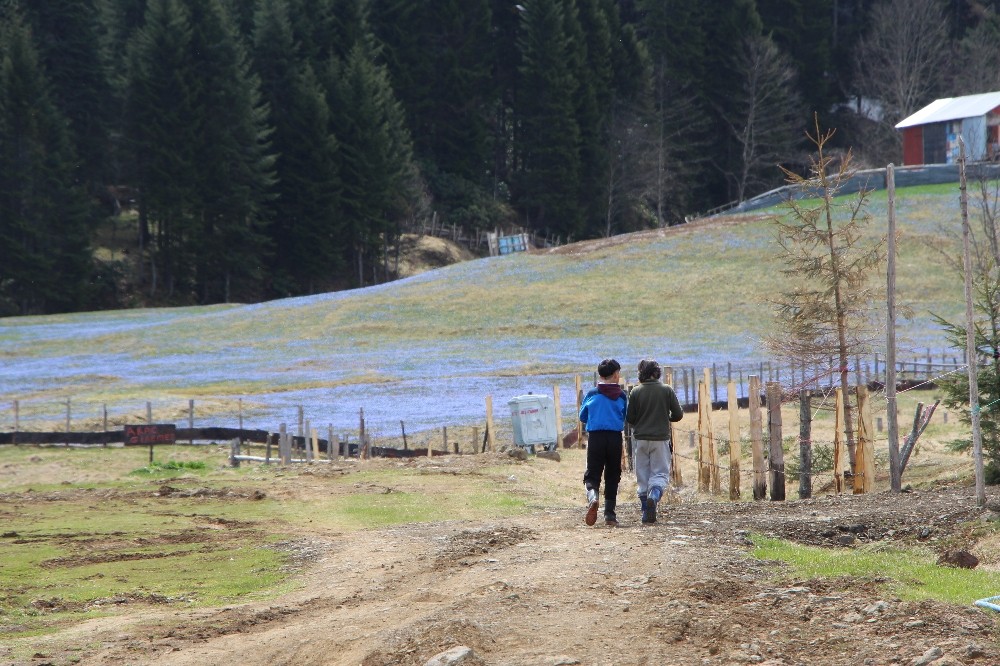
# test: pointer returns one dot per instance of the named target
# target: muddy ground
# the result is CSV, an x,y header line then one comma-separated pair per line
x,y
543,588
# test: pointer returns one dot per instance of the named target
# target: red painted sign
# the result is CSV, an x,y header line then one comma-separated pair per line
x,y
152,433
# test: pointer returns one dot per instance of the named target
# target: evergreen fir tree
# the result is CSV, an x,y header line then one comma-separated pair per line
x,y
305,220
547,138
45,220
376,168
232,159
67,34
986,303
160,129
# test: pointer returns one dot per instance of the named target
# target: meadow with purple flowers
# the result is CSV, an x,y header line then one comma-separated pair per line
x,y
428,349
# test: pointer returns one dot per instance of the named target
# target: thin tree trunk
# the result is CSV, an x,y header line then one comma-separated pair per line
x,y
841,318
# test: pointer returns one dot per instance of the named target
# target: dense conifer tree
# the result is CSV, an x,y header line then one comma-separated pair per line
x,y
160,128
305,220
45,219
376,168
66,33
231,159
547,133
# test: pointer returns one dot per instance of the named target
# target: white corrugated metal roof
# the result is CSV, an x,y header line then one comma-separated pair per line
x,y
953,108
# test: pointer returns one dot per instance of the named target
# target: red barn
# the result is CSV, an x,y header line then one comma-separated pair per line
x,y
930,136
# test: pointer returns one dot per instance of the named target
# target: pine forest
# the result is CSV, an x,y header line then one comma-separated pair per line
x,y
246,150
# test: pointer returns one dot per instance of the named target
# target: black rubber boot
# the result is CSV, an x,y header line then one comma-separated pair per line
x,y
610,501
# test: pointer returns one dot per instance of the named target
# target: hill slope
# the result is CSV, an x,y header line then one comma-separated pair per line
x,y
427,349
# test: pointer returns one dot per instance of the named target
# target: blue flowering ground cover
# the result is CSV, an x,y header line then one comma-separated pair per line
x,y
427,350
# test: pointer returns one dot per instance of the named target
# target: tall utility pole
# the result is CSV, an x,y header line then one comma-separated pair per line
x,y
895,469
970,334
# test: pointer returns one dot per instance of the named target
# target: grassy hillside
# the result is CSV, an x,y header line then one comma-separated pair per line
x,y
427,349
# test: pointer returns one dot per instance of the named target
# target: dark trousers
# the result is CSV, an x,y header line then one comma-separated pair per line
x,y
604,456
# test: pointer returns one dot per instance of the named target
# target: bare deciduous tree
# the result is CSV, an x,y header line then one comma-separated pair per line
x,y
769,110
901,63
675,147
977,67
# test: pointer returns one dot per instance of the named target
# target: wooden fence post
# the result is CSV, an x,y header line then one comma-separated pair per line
x,y
191,421
558,408
17,419
838,442
149,412
490,435
402,428
715,383
283,447
241,426
105,422
756,439
710,436
865,461
67,420
735,447
776,455
475,439
331,453
315,443
805,444
363,441
704,473
676,478
307,447
576,416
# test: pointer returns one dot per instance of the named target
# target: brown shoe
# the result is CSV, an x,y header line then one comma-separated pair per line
x,y
610,522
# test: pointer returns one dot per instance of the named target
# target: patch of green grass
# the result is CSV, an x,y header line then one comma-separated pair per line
x,y
171,466
912,573
58,565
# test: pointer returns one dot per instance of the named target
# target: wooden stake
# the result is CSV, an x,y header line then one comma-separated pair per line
x,y
895,469
735,447
838,442
363,440
241,425
490,441
191,421
756,440
676,478
970,331
579,405
704,473
17,419
805,444
710,438
68,420
776,455
866,462
283,453
558,408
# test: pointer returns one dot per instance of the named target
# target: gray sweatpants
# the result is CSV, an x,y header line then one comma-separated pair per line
x,y
652,464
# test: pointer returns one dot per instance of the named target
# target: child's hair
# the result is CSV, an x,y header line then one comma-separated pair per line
x,y
608,367
648,369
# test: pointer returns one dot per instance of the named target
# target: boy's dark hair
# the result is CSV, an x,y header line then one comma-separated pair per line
x,y
608,367
648,369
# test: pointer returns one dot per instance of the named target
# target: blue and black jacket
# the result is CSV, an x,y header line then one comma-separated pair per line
x,y
604,408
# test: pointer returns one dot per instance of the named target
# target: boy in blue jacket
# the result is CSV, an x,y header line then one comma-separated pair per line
x,y
603,414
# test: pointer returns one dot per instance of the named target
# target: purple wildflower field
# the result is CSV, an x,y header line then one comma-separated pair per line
x,y
426,350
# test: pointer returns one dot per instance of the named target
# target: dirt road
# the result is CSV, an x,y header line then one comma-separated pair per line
x,y
545,589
